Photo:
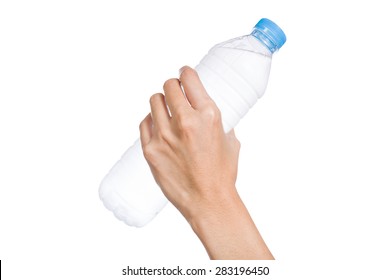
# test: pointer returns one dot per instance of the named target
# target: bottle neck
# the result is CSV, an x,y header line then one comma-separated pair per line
x,y
265,40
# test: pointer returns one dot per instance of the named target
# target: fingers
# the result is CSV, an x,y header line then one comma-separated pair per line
x,y
174,97
195,93
145,129
159,111
193,88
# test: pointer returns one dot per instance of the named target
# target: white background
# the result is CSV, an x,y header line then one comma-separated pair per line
x,y
75,79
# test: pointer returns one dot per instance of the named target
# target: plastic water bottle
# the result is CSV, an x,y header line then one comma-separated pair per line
x,y
235,75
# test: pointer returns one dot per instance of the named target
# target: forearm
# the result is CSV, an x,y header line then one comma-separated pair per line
x,y
228,231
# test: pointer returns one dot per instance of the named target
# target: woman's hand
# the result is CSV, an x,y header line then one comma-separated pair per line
x,y
195,163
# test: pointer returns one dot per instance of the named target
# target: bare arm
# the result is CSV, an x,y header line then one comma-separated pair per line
x,y
195,163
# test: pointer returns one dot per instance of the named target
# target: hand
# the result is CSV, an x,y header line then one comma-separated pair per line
x,y
192,159
195,163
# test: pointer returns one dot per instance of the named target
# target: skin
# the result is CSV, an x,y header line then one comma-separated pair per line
x,y
195,163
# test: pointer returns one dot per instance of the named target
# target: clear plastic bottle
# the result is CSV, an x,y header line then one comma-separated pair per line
x,y
235,75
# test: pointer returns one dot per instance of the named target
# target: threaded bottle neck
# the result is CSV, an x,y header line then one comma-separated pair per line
x,y
268,33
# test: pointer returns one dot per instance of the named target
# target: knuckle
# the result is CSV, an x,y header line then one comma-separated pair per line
x,y
211,113
152,153
185,122
149,152
164,135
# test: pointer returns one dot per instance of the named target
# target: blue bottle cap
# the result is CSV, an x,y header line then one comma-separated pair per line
x,y
270,34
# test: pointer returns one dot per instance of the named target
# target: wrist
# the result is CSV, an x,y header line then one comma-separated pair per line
x,y
213,209
227,231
